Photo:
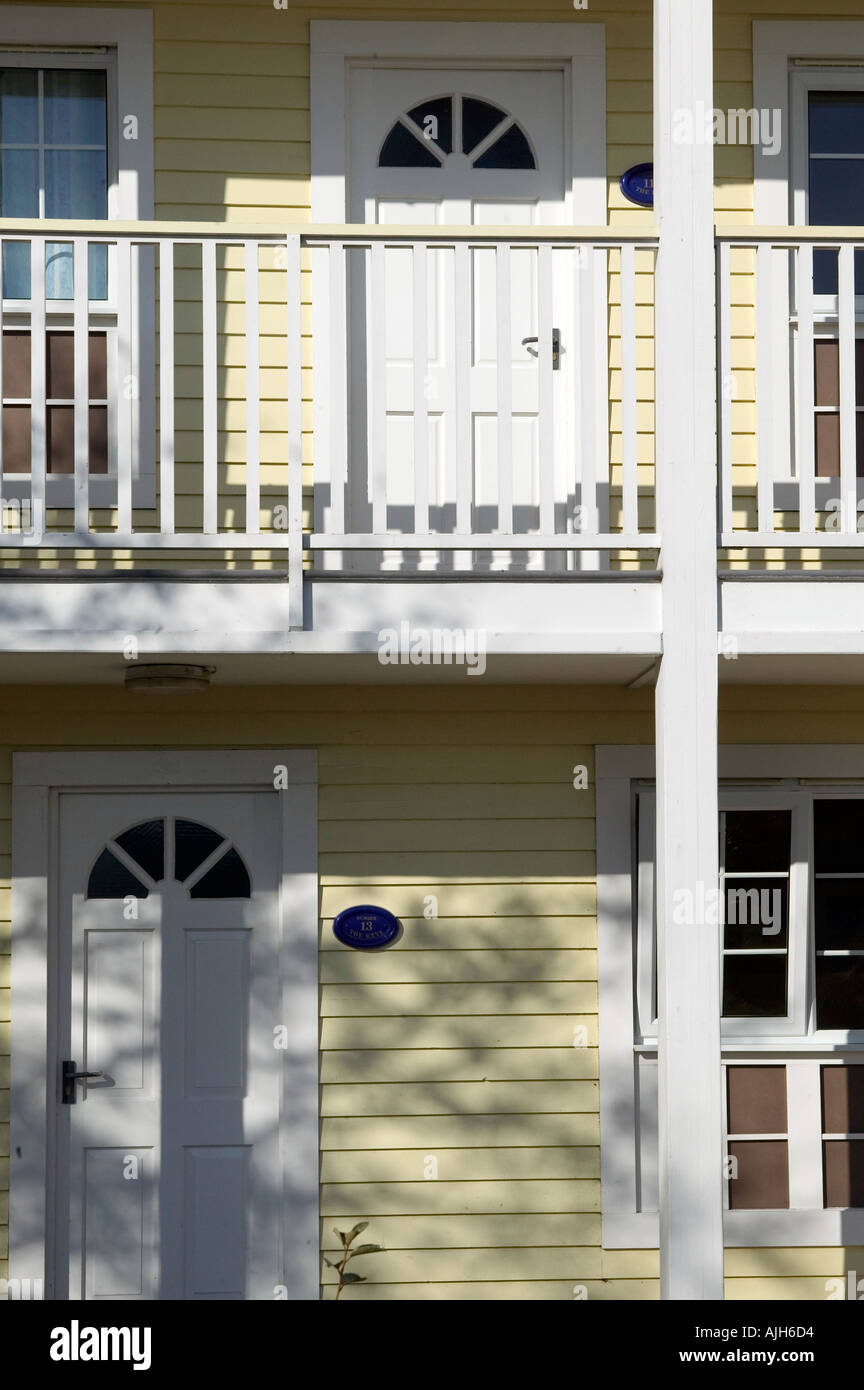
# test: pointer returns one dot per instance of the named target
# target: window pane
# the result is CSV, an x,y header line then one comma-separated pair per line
x,y
228,878
441,126
757,841
76,184
843,1100
754,986
840,992
844,1172
838,836
756,1100
19,183
192,845
19,117
75,107
111,879
402,150
145,843
16,270
512,151
839,914
757,912
836,192
479,119
16,366
836,123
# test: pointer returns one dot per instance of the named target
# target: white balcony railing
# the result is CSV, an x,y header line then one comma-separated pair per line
x,y
482,397
791,387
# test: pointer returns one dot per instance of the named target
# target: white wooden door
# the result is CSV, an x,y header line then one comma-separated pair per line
x,y
168,1181
461,146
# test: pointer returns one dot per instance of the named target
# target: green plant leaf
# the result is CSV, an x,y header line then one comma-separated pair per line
x,y
353,1279
365,1250
340,1234
361,1226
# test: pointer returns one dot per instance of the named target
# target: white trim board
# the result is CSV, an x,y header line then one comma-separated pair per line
x,y
335,44
776,44
617,768
38,781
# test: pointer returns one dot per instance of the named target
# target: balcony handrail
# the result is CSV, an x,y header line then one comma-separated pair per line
x,y
788,236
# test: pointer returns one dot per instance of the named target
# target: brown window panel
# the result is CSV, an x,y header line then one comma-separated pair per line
x,y
843,1161
61,439
843,1100
826,371
756,1100
16,366
762,1175
827,445
60,360
16,439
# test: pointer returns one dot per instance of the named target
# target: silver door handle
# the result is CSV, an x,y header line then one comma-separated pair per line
x,y
556,348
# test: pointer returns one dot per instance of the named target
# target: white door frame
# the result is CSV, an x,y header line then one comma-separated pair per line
x,y
335,45
38,781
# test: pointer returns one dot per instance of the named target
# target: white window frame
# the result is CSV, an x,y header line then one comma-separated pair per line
x,y
39,780
628,1137
121,41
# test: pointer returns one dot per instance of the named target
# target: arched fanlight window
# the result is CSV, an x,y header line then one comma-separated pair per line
x,y
140,863
428,135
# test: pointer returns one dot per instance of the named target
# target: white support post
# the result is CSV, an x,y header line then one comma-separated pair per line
x,y
688,963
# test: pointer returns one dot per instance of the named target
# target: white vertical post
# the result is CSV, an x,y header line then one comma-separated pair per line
x,y
377,391
724,354
805,411
765,403
848,415
253,393
505,389
629,457
127,386
546,423
420,261
688,946
462,292
295,435
166,387
209,386
81,385
38,409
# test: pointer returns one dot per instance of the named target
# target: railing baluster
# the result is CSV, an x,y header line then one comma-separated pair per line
x,y
81,354
848,416
805,412
724,395
295,434
464,461
253,393
503,297
336,362
38,410
166,388
377,394
764,393
546,418
420,267
629,460
586,416
209,384
127,386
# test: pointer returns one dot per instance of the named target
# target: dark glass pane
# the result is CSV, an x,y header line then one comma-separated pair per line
x,y
111,879
19,183
227,879
145,843
479,119
16,270
402,150
840,992
844,1172
512,151
838,836
98,442
839,914
836,192
754,986
192,844
757,841
61,439
75,107
760,1175
757,912
97,271
836,123
76,184
19,114
440,127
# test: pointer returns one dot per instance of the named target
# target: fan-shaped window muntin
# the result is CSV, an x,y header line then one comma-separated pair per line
x,y
444,128
205,862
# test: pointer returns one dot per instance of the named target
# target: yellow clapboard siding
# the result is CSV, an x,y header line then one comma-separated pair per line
x,y
413,966
511,933
459,1098
551,997
515,1290
458,1231
505,1030
490,1064
422,1266
438,1197
183,92
458,833
457,1131
464,899
475,1165
491,802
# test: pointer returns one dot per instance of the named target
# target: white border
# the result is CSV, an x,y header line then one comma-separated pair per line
x,y
38,778
617,767
130,34
775,44
334,43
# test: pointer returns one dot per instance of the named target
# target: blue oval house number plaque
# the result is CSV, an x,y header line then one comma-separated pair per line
x,y
366,928
637,184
